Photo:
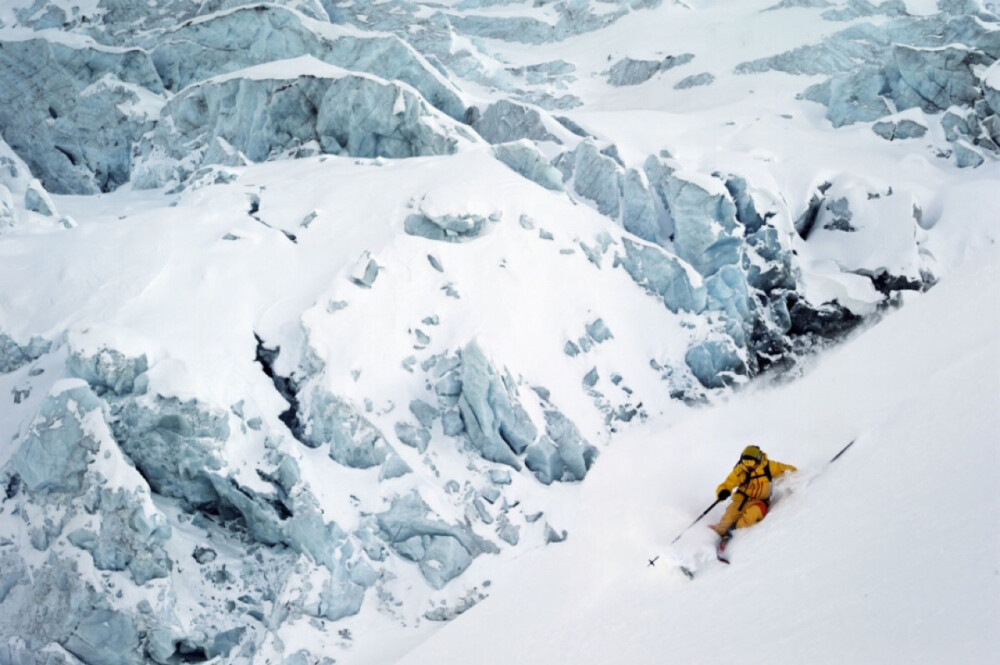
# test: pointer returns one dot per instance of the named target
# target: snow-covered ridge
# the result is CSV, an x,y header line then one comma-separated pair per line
x,y
332,306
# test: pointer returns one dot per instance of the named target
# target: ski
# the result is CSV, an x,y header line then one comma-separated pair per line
x,y
842,451
832,460
720,549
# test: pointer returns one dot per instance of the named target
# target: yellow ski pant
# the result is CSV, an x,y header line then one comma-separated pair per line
x,y
741,513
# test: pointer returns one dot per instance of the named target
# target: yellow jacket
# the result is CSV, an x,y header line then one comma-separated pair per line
x,y
755,483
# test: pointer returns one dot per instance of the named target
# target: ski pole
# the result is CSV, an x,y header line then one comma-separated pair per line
x,y
717,501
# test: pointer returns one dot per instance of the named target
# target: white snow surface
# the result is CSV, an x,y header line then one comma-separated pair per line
x,y
889,555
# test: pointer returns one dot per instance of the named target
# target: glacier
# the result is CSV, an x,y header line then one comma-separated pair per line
x,y
317,314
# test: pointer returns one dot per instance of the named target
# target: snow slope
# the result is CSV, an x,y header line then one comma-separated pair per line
x,y
264,361
889,555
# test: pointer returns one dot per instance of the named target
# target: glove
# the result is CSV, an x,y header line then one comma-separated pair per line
x,y
723,495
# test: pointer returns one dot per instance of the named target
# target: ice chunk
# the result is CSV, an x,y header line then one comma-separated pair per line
x,y
340,597
544,461
746,208
415,437
940,77
445,227
54,456
424,412
663,275
966,156
633,72
639,212
561,454
593,176
705,78
174,444
451,423
354,441
494,427
525,159
707,234
598,331
903,129
442,551
506,121
56,605
393,467
365,271
577,455
107,369
128,538
715,363
104,637
14,356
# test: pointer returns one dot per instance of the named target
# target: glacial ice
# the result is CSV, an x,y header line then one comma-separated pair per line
x,y
49,90
932,63
442,551
445,227
14,356
424,412
903,129
108,370
966,156
639,212
633,72
490,419
174,444
354,441
694,81
715,363
495,423
506,121
664,275
228,41
593,176
525,159
562,454
703,244
57,450
265,112
707,234
56,605
415,437
127,539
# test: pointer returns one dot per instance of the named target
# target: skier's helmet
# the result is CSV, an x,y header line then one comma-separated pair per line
x,y
752,453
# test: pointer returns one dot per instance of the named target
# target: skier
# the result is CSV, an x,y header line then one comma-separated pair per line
x,y
751,481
